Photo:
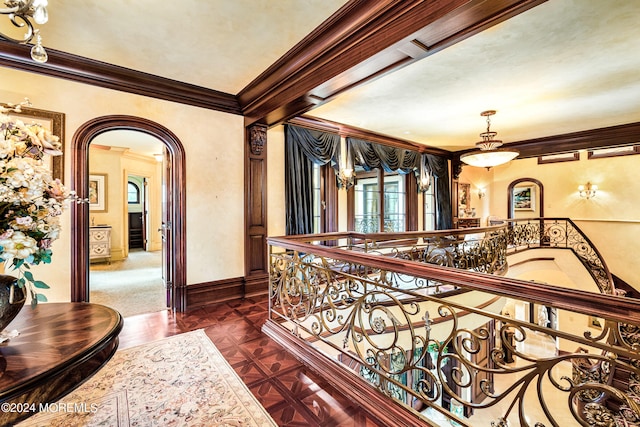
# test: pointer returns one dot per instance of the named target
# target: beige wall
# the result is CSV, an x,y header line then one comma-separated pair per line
x,y
117,164
213,143
479,178
611,220
109,164
276,215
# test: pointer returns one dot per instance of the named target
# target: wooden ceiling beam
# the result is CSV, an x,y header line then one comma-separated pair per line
x,y
364,40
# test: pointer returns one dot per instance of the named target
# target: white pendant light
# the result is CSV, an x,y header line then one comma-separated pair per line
x,y
488,154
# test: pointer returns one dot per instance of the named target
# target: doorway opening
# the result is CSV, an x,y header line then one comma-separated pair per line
x,y
173,205
125,256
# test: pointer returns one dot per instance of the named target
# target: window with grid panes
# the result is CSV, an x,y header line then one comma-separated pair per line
x,y
376,210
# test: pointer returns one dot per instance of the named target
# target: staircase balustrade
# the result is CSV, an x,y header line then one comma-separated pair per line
x,y
560,233
414,317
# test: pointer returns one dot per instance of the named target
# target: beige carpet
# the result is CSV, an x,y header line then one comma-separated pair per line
x,y
182,380
132,286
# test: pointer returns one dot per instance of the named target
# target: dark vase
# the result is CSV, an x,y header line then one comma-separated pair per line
x,y
9,310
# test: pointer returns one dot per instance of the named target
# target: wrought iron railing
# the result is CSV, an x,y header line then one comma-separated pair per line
x,y
560,233
435,338
371,223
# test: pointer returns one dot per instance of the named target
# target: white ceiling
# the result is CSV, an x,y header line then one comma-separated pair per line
x,y
563,66
133,141
217,44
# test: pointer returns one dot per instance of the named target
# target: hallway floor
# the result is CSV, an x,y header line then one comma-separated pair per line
x,y
291,393
132,286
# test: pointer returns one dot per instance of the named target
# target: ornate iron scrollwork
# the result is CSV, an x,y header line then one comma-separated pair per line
x,y
414,341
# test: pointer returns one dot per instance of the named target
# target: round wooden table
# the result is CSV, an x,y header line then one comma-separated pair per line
x,y
60,346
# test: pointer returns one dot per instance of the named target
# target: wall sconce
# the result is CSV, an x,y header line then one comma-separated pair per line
x,y
424,184
159,157
588,190
345,178
481,193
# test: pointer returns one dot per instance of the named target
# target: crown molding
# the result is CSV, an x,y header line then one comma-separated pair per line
x,y
612,136
84,70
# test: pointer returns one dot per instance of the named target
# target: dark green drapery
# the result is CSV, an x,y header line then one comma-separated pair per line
x,y
438,167
303,148
370,156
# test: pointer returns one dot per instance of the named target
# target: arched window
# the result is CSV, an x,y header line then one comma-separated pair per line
x,y
133,193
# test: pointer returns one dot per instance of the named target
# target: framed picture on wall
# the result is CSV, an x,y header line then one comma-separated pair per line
x,y
464,201
98,192
51,121
523,198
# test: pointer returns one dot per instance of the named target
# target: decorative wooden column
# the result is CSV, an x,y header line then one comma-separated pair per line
x,y
255,216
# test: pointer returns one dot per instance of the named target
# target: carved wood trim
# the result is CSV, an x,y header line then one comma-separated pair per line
x,y
361,41
255,192
513,184
84,70
80,212
411,201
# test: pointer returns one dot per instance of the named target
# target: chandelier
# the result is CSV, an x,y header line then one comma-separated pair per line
x,y
488,154
20,13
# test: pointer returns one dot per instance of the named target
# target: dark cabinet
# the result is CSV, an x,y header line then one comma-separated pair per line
x,y
468,222
136,230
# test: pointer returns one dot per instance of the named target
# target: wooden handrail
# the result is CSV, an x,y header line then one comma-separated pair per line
x,y
612,307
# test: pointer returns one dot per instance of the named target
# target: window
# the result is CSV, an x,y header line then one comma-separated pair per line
x,y
133,193
325,199
367,217
317,199
429,207
375,210
395,205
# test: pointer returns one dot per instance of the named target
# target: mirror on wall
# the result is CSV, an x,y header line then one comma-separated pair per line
x,y
526,198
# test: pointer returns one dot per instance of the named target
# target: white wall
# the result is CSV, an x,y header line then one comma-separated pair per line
x,y
213,143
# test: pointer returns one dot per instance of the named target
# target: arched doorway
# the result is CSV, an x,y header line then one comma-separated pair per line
x,y
174,204
536,209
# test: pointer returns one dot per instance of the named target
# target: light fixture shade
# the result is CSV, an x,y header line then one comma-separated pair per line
x,y
489,158
488,154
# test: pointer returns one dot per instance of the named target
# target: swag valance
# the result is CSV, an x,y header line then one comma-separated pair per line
x,y
370,156
303,147
319,147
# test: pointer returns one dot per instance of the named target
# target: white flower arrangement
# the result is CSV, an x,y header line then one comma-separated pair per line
x,y
31,201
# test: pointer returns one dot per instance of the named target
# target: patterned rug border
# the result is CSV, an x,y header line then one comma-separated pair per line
x,y
125,393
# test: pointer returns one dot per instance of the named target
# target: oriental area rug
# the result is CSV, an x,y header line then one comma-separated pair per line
x,y
182,380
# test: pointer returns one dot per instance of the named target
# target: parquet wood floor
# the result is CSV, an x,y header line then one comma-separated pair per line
x,y
293,395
